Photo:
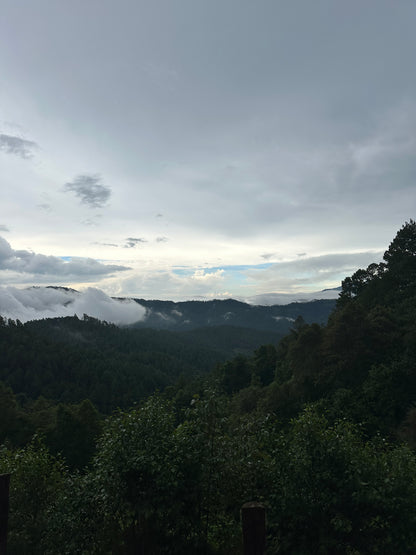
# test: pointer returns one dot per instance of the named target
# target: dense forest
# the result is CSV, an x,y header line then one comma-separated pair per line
x,y
189,315
320,427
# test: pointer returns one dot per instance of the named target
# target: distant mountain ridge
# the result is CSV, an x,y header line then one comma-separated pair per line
x,y
189,315
70,358
37,303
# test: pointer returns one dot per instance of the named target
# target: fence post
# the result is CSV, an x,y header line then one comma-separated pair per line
x,y
253,518
4,511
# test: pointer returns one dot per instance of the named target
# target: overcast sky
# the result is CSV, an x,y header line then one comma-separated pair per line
x,y
182,148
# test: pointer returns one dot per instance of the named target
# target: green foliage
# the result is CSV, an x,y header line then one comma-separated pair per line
x,y
159,487
265,359
37,481
239,372
367,348
68,430
407,429
235,374
388,392
136,471
390,281
401,257
229,315
334,493
298,427
75,432
9,414
68,360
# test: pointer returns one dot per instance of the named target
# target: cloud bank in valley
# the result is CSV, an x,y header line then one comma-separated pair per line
x,y
36,303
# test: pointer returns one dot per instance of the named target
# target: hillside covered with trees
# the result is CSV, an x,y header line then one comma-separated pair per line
x,y
190,315
320,428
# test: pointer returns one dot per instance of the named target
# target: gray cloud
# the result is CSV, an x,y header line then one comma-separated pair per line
x,y
132,242
45,207
89,189
4,228
300,139
105,244
17,145
26,262
90,222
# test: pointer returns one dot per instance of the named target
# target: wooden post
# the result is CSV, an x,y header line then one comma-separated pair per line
x,y
253,518
4,511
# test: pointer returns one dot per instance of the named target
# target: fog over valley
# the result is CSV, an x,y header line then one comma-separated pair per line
x,y
36,303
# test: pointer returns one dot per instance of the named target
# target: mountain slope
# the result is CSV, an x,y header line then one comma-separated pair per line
x,y
189,315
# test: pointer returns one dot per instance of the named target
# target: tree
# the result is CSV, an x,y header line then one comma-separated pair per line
x,y
75,432
403,246
235,374
401,257
333,493
36,484
265,358
362,280
9,413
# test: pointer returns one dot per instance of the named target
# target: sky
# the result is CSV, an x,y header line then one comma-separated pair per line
x,y
180,149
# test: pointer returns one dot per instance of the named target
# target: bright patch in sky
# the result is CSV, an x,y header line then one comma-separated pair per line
x,y
177,150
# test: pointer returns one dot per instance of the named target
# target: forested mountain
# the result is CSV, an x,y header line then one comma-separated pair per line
x,y
189,315
361,365
320,428
68,360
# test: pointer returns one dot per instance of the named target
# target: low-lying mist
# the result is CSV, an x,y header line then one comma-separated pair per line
x,y
35,303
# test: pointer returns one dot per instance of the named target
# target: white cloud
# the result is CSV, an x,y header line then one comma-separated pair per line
x,y
168,284
269,299
310,273
299,278
38,303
